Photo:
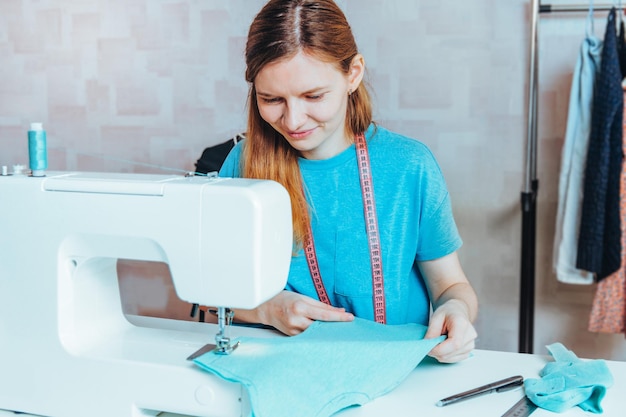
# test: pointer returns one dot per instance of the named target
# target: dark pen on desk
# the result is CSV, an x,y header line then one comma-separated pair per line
x,y
498,386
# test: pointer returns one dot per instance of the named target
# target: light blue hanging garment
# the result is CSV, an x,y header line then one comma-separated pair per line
x,y
573,159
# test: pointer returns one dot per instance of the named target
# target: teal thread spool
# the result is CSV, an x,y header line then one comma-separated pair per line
x,y
37,150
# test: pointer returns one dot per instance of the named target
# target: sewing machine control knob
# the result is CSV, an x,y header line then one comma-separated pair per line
x,y
205,395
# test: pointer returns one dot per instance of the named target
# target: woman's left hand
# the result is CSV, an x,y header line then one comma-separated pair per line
x,y
455,307
451,319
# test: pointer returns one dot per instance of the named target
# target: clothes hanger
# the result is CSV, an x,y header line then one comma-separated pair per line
x,y
590,26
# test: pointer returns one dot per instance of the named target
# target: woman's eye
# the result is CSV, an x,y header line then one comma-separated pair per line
x,y
315,96
270,100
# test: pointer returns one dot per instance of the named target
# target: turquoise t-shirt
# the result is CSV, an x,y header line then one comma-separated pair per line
x,y
414,218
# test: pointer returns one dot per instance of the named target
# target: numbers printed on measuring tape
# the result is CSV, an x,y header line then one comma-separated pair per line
x,y
373,238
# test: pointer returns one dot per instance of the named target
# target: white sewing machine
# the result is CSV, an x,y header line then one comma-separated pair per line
x,y
66,347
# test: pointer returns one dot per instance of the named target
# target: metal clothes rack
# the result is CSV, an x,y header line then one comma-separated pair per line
x,y
531,183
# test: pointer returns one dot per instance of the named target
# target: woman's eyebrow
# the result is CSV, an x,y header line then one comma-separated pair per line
x,y
309,91
261,93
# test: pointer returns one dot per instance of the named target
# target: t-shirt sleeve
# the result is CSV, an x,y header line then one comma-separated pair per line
x,y
438,233
231,166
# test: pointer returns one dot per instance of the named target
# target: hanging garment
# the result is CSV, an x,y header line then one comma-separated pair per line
x,y
573,161
599,241
621,48
608,311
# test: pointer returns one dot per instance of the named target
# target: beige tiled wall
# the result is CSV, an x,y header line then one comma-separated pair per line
x,y
156,81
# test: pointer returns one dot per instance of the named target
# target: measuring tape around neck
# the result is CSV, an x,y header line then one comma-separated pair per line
x,y
373,238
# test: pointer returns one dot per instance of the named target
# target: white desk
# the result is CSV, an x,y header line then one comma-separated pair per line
x,y
432,381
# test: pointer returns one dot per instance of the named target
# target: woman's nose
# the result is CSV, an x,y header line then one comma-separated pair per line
x,y
294,116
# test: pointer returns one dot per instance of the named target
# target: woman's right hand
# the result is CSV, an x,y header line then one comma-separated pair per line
x,y
292,313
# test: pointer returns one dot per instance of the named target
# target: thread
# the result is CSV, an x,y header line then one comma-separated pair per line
x,y
37,150
137,163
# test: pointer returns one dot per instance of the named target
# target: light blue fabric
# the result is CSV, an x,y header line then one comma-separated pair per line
x,y
569,382
328,367
414,217
573,160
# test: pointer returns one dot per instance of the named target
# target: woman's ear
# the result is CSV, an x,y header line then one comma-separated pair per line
x,y
356,72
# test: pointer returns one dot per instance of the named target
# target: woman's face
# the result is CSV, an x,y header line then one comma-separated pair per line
x,y
305,100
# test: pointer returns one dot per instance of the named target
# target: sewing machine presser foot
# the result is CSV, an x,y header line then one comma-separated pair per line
x,y
223,345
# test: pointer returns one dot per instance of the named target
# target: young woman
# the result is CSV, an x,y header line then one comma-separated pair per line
x,y
373,226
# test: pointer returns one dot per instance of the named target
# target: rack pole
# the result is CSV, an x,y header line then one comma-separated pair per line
x,y
531,183
529,199
549,8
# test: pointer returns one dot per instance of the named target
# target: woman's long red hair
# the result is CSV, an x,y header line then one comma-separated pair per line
x,y
279,31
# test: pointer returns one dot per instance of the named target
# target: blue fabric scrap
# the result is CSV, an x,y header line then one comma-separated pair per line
x,y
569,382
328,367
